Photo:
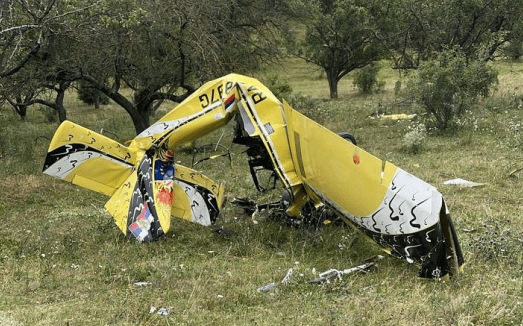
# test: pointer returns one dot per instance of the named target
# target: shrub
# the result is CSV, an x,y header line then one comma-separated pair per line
x,y
366,79
447,87
91,96
281,88
514,49
309,107
50,114
414,139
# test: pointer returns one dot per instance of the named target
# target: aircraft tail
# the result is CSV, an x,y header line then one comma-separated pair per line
x,y
88,159
142,186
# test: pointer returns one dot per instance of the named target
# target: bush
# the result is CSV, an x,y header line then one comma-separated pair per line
x,y
447,87
91,96
50,114
281,88
309,107
415,138
366,79
514,49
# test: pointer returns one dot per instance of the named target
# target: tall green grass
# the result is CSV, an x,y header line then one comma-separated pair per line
x,y
64,262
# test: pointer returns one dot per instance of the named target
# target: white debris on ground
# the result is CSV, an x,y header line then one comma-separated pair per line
x,y
287,277
462,183
164,311
142,283
160,311
266,287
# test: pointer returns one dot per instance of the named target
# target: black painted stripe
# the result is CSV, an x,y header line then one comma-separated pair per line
x,y
58,153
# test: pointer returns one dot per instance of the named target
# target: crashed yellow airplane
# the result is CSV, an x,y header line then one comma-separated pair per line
x,y
404,215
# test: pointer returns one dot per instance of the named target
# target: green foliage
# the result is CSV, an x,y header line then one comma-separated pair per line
x,y
424,28
309,106
339,38
160,50
90,95
281,88
514,49
366,79
447,87
50,114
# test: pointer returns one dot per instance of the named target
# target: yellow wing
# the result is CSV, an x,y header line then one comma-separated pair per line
x,y
405,215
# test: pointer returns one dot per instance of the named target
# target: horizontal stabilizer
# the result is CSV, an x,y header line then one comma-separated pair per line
x,y
88,159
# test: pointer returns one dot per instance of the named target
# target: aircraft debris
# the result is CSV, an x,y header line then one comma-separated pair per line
x,y
463,183
317,168
331,274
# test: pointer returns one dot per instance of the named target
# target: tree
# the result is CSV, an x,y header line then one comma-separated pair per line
x,y
90,95
450,85
27,33
477,27
21,26
161,50
339,38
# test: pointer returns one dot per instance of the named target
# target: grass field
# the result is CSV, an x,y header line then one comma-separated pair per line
x,y
64,262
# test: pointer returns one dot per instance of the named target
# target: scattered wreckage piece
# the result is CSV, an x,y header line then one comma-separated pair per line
x,y
249,206
370,264
284,281
463,183
276,210
395,117
327,276
404,215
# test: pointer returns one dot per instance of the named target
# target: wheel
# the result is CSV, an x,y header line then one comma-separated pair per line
x,y
349,137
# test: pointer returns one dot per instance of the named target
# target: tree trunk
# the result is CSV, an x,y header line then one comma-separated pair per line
x,y
333,84
20,108
143,107
140,120
143,114
59,102
96,99
139,123
139,117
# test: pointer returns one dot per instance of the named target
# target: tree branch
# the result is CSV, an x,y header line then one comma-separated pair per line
x,y
14,70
